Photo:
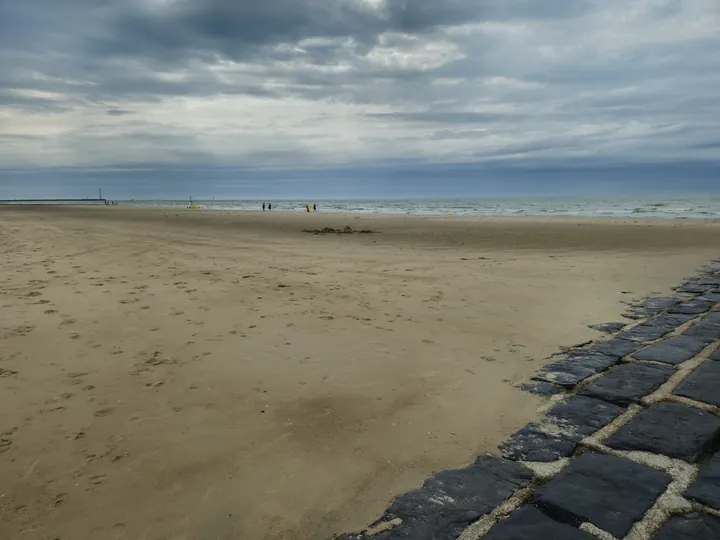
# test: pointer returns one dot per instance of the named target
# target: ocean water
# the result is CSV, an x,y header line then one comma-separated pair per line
x,y
648,207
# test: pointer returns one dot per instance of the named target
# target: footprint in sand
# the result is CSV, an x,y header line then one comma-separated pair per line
x,y
103,412
17,331
98,479
76,377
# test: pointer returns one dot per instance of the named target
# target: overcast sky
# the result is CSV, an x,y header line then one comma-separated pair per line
x,y
358,97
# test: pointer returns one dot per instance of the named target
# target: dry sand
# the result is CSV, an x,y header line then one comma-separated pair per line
x,y
185,374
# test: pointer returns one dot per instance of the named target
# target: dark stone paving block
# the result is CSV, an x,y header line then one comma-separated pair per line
x,y
628,383
713,296
608,328
534,443
544,389
690,527
570,371
693,307
451,500
610,492
652,306
671,429
713,318
616,347
716,355
584,415
703,384
707,328
674,350
656,328
529,523
694,288
660,303
706,487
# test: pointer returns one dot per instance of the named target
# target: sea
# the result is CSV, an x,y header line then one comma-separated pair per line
x,y
706,207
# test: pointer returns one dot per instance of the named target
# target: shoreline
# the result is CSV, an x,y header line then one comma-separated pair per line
x,y
656,207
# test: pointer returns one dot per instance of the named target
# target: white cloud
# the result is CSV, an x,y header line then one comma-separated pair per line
x,y
626,80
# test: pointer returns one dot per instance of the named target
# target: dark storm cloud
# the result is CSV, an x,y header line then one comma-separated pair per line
x,y
118,112
129,80
237,28
440,116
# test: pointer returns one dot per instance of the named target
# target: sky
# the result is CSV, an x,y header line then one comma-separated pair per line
x,y
358,98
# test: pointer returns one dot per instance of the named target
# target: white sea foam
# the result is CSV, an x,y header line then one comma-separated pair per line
x,y
647,207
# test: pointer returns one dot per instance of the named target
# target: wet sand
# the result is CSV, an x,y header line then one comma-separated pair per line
x,y
184,374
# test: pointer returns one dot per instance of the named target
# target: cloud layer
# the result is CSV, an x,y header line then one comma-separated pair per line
x,y
318,83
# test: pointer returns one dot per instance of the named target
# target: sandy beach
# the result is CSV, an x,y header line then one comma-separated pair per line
x,y
195,375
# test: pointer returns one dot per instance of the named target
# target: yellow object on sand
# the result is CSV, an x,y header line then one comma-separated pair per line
x,y
194,206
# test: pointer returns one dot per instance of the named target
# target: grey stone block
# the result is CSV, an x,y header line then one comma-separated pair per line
x,y
609,491
628,383
713,296
706,487
690,527
660,303
693,288
655,328
544,389
529,523
716,355
703,384
570,371
693,307
707,328
671,429
674,350
608,328
651,306
584,415
449,501
616,347
534,443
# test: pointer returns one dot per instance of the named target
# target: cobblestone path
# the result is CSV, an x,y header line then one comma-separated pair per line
x,y
629,448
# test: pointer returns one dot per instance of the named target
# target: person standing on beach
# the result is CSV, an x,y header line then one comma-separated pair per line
x,y
263,207
269,206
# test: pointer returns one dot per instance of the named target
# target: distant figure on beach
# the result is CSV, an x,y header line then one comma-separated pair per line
x,y
269,206
314,207
307,207
263,207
